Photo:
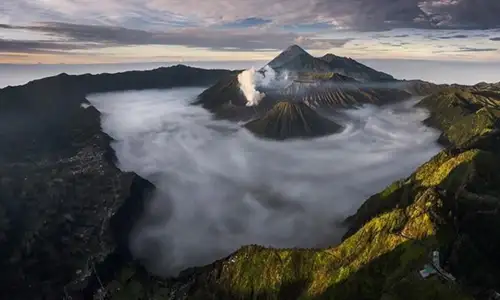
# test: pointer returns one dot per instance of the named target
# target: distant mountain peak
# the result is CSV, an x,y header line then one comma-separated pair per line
x,y
352,68
329,55
295,49
288,55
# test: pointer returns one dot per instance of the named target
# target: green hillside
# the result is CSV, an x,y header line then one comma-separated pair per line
x,y
449,204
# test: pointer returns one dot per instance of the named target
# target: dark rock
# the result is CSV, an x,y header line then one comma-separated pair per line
x,y
287,120
449,204
349,67
294,58
63,209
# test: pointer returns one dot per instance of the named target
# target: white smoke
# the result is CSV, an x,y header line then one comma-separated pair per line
x,y
250,80
247,80
220,187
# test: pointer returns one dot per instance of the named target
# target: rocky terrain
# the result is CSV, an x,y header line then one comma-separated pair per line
x,y
288,120
59,188
449,204
330,82
333,91
294,58
66,211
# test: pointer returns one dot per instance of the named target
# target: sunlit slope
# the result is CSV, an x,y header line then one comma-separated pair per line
x,y
449,204
463,112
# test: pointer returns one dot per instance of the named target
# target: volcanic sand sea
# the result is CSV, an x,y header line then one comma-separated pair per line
x,y
220,187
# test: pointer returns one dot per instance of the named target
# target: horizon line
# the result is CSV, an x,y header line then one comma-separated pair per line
x,y
173,62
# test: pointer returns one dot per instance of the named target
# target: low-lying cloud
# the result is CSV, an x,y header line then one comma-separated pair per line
x,y
455,36
19,46
220,187
472,49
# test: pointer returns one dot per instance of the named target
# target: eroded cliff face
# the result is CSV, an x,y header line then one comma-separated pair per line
x,y
56,210
65,209
449,204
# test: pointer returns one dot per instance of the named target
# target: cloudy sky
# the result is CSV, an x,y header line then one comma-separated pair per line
x,y
93,31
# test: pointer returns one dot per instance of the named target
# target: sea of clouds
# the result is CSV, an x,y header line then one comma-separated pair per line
x,y
220,187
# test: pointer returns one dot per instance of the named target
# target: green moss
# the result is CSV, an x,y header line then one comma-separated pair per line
x,y
446,108
259,270
390,237
434,172
388,191
377,204
378,261
401,193
476,124
462,113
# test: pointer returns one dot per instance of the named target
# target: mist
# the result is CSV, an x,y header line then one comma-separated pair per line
x,y
219,187
251,80
255,84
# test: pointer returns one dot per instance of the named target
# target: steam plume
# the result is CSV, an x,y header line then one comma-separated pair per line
x,y
252,79
219,187
247,80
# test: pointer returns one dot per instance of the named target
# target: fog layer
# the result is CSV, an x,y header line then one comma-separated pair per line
x,y
220,187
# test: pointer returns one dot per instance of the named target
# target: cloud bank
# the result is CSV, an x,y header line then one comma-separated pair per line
x,y
252,28
220,187
78,36
357,15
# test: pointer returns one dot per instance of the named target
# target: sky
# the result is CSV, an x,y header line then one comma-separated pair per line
x,y
112,31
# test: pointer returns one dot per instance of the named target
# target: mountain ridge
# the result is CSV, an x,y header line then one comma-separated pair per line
x,y
303,71
448,205
352,68
60,189
286,55
294,58
65,235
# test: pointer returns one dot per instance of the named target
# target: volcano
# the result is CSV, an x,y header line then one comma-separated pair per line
x,y
287,120
327,90
349,67
333,90
329,83
294,58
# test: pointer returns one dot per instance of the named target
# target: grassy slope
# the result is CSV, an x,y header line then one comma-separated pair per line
x,y
449,203
462,113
